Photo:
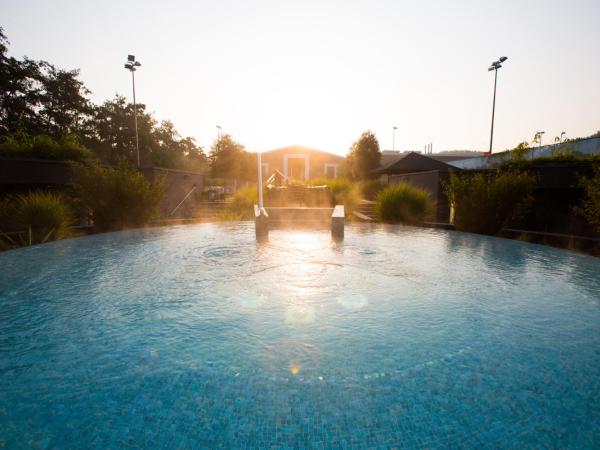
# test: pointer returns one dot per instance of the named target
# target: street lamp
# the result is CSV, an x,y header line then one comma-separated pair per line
x,y
561,136
218,131
131,66
495,66
539,135
394,138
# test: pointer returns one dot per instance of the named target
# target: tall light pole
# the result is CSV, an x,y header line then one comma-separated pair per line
x,y
131,66
539,135
394,138
495,66
218,131
561,136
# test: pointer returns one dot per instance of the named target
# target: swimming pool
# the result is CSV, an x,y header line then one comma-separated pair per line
x,y
198,337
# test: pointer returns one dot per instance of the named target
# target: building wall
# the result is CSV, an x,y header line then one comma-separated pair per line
x,y
36,172
431,181
178,184
318,163
23,175
586,147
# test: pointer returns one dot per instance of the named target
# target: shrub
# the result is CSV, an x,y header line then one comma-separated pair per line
x,y
241,206
338,186
39,216
485,203
371,188
590,207
117,197
519,153
343,192
41,146
403,203
7,214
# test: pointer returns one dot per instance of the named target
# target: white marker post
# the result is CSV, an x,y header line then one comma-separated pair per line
x,y
260,189
261,218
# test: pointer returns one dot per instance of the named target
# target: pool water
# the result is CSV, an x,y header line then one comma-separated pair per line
x,y
198,337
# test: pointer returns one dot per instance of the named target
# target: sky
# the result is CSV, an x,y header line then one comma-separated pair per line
x,y
318,73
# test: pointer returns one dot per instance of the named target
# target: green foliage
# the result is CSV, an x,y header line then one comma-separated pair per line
x,y
338,186
40,216
350,198
520,151
38,97
590,207
364,156
564,150
403,203
66,148
117,197
241,206
42,100
112,137
343,192
371,188
228,159
562,156
486,203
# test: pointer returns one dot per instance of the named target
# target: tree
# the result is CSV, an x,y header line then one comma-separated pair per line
x,y
590,208
364,156
226,158
112,131
63,102
19,91
520,151
38,98
168,149
537,138
45,112
118,197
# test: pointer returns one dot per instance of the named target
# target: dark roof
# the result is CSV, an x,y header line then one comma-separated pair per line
x,y
412,162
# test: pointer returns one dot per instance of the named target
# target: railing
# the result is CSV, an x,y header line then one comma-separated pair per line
x,y
184,199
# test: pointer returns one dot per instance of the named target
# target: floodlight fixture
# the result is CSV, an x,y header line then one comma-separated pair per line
x,y
539,135
130,58
503,58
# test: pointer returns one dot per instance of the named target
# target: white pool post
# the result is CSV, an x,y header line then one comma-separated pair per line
x,y
261,218
260,189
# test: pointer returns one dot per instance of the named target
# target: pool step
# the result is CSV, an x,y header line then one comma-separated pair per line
x,y
267,218
366,211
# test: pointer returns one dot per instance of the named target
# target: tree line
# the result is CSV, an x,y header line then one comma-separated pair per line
x,y
42,106
45,111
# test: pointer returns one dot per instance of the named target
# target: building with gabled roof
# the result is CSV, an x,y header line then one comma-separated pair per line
x,y
302,163
411,162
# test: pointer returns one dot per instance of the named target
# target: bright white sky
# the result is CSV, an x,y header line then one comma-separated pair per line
x,y
319,72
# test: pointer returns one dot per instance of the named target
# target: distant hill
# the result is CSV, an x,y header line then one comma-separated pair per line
x,y
387,156
455,155
465,153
